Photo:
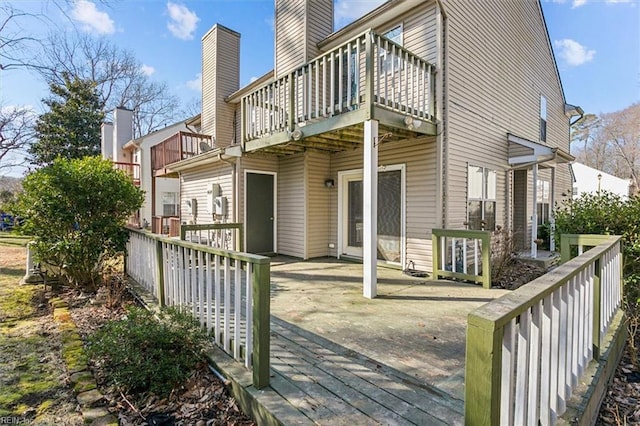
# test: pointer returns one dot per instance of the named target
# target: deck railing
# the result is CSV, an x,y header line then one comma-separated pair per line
x,y
226,291
178,147
167,225
527,350
367,70
462,254
227,236
131,169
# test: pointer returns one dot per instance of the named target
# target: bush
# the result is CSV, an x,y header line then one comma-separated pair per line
x,y
76,210
143,353
608,214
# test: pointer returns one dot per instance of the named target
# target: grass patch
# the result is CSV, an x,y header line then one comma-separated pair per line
x,y
14,240
30,381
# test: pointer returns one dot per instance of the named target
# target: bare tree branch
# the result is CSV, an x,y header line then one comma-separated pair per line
x,y
16,134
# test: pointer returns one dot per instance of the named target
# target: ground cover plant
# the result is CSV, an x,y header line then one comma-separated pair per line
x,y
147,352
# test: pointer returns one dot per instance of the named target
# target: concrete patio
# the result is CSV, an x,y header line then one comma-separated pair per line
x,y
416,325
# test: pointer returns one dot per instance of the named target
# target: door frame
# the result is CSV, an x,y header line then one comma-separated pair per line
x,y
275,205
345,175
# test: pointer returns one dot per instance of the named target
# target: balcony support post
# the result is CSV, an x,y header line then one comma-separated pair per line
x,y
369,75
370,209
534,214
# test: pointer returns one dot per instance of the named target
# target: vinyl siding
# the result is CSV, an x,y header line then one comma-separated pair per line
x,y
420,32
291,206
196,182
496,74
419,158
289,34
220,78
319,207
319,24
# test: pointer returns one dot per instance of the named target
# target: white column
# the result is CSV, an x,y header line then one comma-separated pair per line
x,y
534,215
370,209
552,218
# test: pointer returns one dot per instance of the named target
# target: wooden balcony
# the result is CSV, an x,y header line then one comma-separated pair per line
x,y
323,103
177,147
131,169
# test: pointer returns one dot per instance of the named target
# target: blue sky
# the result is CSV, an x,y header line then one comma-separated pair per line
x,y
596,42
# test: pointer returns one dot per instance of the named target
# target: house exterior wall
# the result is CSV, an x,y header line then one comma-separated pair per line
x,y
587,181
195,184
292,200
106,140
162,185
319,207
220,78
419,159
495,75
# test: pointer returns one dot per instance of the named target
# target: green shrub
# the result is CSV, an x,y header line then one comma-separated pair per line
x,y
608,214
143,353
76,210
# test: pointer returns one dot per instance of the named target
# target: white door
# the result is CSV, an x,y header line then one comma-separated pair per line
x,y
390,214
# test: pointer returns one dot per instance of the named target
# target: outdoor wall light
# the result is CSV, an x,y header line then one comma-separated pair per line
x,y
296,135
412,123
329,183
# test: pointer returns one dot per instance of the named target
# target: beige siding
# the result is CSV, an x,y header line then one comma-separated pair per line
x,y
289,34
299,26
319,208
195,183
291,206
420,32
319,24
419,158
220,78
496,74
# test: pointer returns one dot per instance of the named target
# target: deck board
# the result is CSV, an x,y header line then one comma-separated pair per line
x,y
352,390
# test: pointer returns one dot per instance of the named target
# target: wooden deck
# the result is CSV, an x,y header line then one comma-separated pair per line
x,y
332,385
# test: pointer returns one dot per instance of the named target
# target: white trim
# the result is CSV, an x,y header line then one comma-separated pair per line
x,y
354,174
275,205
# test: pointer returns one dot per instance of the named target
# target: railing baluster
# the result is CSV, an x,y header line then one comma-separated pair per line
x,y
218,300
237,307
226,305
522,364
317,89
349,75
249,314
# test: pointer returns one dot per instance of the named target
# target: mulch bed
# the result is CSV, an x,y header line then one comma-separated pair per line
x,y
621,405
202,400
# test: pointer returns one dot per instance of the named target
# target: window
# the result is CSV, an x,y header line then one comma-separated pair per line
x,y
543,119
481,194
388,61
170,204
543,201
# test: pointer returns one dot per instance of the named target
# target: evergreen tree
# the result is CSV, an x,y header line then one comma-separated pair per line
x,y
71,127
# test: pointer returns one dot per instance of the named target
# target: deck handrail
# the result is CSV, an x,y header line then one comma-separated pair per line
x,y
229,236
131,169
527,350
365,71
226,291
177,147
462,254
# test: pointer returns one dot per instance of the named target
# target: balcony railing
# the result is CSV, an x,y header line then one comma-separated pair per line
x,y
166,225
369,70
178,147
131,169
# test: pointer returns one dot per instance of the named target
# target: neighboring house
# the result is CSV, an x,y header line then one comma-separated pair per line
x,y
419,115
162,194
590,180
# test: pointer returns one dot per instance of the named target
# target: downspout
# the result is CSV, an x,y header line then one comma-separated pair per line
x,y
233,186
441,108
